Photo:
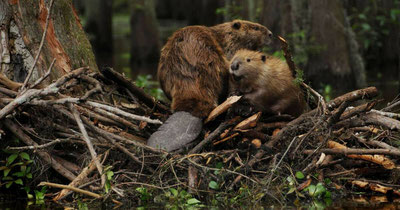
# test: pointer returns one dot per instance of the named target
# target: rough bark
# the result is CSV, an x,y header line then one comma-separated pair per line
x,y
65,40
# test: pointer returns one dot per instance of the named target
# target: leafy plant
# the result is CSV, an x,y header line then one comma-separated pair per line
x,y
180,199
16,169
144,194
151,87
109,177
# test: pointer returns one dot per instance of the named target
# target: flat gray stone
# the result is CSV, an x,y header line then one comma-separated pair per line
x,y
180,129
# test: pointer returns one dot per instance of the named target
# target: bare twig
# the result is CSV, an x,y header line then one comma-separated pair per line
x,y
212,135
350,151
96,89
387,114
40,48
148,100
30,94
16,130
391,106
321,100
88,142
55,141
44,76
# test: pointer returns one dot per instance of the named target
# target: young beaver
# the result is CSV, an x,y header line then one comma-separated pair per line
x,y
267,83
193,72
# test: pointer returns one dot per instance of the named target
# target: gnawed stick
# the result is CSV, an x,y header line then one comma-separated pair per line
x,y
292,67
350,151
97,105
79,179
222,108
212,135
85,192
138,92
365,93
30,94
377,144
88,143
378,159
42,146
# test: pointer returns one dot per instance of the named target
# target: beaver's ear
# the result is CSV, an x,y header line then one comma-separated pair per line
x,y
236,25
263,58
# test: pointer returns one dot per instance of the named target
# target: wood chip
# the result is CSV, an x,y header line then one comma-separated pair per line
x,y
222,108
250,122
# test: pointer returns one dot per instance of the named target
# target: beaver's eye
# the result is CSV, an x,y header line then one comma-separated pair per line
x,y
256,28
248,60
263,58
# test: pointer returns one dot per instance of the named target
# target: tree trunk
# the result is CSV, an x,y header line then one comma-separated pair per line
x,y
22,26
145,44
99,28
322,41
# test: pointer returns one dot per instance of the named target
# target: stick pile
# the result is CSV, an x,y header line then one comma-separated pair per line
x,y
86,124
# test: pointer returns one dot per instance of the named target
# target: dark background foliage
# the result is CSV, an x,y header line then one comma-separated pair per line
x,y
339,45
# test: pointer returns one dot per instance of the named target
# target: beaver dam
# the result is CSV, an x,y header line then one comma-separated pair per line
x,y
84,137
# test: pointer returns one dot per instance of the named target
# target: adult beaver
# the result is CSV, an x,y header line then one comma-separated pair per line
x,y
267,83
193,73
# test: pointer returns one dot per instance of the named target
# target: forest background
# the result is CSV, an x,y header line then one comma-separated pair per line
x,y
339,45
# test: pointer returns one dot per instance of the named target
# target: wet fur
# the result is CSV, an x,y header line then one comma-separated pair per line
x,y
267,83
194,65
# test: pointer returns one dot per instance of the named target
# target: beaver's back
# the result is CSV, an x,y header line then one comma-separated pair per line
x,y
192,70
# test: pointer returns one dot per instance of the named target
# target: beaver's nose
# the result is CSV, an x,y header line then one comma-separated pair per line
x,y
235,65
270,34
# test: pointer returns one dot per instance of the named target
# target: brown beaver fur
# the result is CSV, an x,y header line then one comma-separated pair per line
x,y
267,83
194,63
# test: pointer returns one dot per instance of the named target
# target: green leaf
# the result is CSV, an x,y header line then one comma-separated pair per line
x,y
18,174
219,165
291,190
107,186
110,174
320,189
24,155
327,181
8,185
174,191
29,176
19,181
366,26
6,172
328,194
362,16
7,178
11,158
311,190
30,196
213,185
299,175
193,201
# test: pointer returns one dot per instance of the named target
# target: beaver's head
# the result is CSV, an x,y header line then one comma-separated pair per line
x,y
246,66
241,34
